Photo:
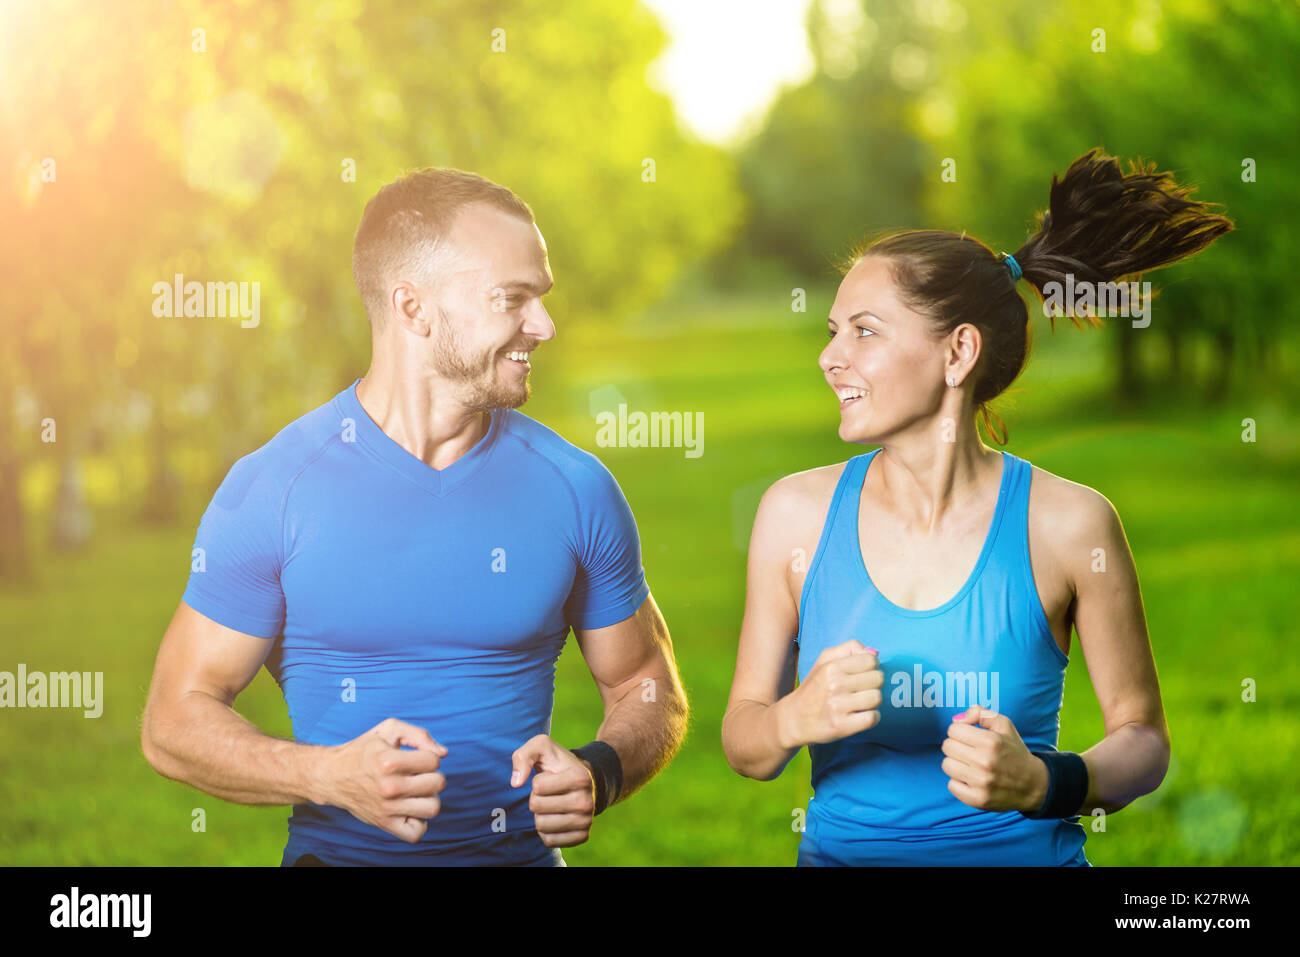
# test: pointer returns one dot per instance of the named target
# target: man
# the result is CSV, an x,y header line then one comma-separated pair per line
x,y
421,550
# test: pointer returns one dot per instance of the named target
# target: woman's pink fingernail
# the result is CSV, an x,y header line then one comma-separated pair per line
x,y
960,716
873,651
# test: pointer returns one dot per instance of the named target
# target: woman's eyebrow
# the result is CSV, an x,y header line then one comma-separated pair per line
x,y
859,315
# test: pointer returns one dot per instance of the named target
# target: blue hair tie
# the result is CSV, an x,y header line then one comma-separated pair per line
x,y
1016,271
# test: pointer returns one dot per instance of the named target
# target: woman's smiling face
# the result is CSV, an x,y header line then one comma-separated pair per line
x,y
883,362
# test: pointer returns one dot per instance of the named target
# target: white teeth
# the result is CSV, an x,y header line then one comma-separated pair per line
x,y
517,356
850,393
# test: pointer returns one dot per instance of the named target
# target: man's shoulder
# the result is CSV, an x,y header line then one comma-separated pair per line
x,y
575,464
273,466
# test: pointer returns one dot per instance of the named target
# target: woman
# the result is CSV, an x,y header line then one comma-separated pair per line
x,y
925,592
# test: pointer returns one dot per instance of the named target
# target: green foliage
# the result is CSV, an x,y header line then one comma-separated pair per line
x,y
1009,93
217,142
835,160
1194,88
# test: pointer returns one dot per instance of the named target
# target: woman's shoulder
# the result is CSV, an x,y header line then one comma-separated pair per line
x,y
793,509
1068,513
789,523
811,488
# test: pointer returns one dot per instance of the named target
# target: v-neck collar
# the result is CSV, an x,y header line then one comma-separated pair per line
x,y
381,444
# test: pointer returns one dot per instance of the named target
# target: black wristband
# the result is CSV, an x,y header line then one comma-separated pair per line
x,y
1067,785
606,770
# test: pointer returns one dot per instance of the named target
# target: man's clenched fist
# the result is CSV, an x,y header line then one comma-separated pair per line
x,y
379,782
563,801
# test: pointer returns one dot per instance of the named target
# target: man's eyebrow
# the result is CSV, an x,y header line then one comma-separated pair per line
x,y
527,286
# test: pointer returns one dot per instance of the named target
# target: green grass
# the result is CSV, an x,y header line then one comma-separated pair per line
x,y
1211,521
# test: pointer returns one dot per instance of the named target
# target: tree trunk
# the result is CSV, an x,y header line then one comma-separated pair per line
x,y
15,563
15,559
162,493
1129,383
72,520
1222,377
1177,363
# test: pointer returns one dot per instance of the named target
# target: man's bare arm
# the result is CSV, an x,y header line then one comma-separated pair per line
x,y
646,709
191,733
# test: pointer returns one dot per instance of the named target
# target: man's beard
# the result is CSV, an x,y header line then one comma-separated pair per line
x,y
481,387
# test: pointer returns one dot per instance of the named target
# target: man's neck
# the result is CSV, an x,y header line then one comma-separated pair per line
x,y
419,417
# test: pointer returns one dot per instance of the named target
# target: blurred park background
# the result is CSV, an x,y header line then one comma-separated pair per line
x,y
239,141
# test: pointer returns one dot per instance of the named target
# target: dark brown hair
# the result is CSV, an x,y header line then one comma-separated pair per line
x,y
1100,225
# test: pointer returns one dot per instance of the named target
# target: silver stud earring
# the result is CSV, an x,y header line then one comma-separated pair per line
x,y
950,382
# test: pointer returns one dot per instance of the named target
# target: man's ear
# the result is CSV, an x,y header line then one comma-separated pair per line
x,y
409,310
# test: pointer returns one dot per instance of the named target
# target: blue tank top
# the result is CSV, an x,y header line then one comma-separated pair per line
x,y
881,796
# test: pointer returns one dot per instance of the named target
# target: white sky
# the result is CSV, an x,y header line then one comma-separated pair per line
x,y
727,59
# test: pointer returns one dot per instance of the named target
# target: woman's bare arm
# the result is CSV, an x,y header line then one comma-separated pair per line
x,y
1132,758
758,738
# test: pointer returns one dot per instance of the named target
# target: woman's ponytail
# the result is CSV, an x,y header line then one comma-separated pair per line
x,y
1101,224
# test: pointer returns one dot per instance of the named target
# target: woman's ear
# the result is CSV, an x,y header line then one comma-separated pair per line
x,y
965,345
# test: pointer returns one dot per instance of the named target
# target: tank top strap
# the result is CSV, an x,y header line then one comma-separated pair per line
x,y
842,522
841,527
1013,532
1012,554
838,547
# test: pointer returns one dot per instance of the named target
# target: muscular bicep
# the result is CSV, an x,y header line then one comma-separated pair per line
x,y
767,656
199,655
627,654
1111,622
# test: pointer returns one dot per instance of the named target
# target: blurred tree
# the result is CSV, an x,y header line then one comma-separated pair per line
x,y
240,143
834,161
1004,94
1176,83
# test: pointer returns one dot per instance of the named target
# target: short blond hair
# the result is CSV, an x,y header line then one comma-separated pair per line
x,y
406,220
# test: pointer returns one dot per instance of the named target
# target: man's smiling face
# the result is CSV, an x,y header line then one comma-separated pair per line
x,y
487,295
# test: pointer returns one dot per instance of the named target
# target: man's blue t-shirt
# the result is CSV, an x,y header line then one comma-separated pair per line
x,y
441,597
